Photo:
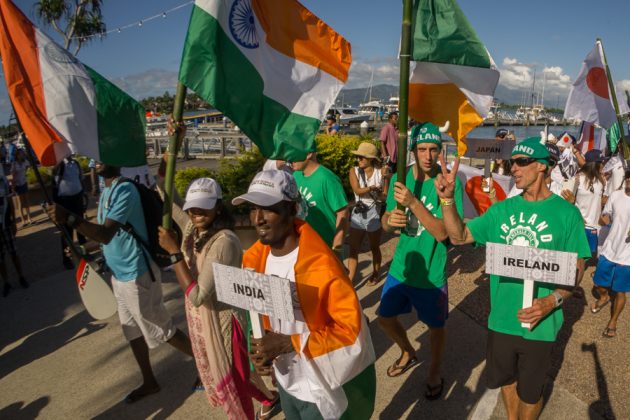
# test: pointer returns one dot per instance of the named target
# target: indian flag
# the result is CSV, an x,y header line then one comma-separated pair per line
x,y
453,77
63,105
273,67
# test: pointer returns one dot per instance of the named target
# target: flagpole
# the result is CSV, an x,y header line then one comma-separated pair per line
x,y
178,110
403,108
613,92
77,252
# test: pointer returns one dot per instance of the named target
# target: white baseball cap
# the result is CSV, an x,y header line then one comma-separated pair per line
x,y
269,188
203,193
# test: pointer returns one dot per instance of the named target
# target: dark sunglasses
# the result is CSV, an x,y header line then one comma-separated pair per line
x,y
523,161
361,157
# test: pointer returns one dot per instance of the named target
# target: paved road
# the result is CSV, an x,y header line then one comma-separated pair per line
x,y
55,362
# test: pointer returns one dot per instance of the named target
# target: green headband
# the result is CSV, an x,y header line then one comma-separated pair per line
x,y
425,133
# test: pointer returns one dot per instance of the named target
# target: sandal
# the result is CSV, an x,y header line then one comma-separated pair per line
x,y
609,332
434,392
401,369
597,307
374,280
268,411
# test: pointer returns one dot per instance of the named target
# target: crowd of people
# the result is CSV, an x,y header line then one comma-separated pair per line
x,y
322,365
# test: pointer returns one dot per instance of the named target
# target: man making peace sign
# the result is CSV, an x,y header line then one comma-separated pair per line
x,y
518,358
417,276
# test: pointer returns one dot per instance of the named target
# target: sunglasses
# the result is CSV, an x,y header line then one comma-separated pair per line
x,y
361,157
523,161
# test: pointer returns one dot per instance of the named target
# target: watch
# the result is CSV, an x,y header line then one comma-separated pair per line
x,y
559,299
175,258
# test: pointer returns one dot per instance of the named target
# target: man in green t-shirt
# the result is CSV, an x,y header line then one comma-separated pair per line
x,y
518,358
323,200
417,275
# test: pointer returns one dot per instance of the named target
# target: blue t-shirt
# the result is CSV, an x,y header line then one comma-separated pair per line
x,y
123,252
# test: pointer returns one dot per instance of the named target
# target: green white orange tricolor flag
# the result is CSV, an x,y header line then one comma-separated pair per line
x,y
272,67
453,76
63,105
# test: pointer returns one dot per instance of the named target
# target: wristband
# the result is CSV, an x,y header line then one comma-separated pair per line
x,y
446,202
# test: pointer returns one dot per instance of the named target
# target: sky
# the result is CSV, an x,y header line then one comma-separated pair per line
x,y
550,37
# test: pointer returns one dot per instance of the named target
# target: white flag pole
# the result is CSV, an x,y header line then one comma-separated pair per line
x,y
257,328
528,298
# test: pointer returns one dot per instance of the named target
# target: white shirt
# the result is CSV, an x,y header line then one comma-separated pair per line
x,y
284,267
616,180
375,180
70,183
589,202
19,172
616,248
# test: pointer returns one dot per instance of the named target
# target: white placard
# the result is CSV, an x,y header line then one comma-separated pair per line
x,y
252,291
522,262
489,148
531,264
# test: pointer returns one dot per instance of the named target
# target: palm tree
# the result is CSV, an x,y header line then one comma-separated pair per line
x,y
77,21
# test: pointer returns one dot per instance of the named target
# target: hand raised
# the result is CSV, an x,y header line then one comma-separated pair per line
x,y
445,181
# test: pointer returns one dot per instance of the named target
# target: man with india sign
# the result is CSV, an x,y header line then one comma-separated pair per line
x,y
518,358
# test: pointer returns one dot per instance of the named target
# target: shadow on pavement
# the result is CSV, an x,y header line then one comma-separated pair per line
x,y
47,341
19,411
176,375
602,406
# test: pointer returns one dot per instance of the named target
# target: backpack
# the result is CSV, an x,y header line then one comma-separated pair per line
x,y
152,207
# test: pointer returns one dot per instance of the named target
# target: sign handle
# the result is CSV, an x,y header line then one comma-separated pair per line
x,y
257,328
528,298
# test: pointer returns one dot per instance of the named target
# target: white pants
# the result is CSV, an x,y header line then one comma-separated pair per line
x,y
141,309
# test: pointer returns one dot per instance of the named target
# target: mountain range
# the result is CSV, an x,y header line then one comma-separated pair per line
x,y
356,96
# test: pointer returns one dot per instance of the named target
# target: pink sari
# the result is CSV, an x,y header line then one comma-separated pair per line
x,y
220,349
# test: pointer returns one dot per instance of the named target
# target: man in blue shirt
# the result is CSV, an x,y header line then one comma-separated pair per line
x,y
144,319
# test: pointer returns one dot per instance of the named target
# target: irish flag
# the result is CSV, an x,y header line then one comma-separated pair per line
x,y
453,77
273,67
63,105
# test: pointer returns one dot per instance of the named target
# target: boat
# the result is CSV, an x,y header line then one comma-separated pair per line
x,y
392,104
373,108
348,115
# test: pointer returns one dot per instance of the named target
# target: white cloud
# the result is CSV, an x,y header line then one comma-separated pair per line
x,y
622,86
152,82
519,76
385,72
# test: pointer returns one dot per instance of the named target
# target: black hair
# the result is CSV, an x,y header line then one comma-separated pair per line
x,y
224,218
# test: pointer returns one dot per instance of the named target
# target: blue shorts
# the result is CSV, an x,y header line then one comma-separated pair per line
x,y
369,222
431,304
611,275
591,235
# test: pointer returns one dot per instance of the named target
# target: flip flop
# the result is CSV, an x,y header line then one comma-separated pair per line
x,y
373,281
434,392
402,369
609,332
268,411
595,309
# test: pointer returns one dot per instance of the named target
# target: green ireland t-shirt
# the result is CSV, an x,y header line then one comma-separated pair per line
x,y
552,223
420,260
322,196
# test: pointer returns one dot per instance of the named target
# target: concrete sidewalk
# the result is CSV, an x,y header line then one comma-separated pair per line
x,y
55,362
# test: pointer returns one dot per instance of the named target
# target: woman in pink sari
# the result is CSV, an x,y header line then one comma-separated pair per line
x,y
216,330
